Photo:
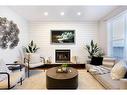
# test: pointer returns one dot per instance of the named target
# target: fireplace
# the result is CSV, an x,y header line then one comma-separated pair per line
x,y
62,55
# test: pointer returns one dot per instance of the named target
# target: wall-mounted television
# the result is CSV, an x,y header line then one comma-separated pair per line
x,y
62,36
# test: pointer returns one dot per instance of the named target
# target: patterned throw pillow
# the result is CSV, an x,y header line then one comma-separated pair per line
x,y
119,70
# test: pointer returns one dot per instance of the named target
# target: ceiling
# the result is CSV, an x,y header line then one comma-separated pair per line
x,y
69,13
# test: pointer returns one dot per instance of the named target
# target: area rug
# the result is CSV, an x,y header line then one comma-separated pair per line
x,y
37,81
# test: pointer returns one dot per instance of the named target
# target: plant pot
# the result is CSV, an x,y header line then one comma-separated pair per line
x,y
96,61
64,68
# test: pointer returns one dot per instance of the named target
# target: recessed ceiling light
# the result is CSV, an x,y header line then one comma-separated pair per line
x,y
45,13
78,13
62,13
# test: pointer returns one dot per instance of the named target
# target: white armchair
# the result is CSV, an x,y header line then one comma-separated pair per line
x,y
33,61
8,78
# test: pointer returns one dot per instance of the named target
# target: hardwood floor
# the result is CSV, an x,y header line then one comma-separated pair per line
x,y
37,81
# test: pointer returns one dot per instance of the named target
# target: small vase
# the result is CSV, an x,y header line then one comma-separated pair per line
x,y
64,68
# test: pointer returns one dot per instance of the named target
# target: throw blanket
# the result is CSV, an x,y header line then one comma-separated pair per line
x,y
99,70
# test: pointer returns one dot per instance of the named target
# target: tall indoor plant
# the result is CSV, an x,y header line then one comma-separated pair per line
x,y
95,53
31,48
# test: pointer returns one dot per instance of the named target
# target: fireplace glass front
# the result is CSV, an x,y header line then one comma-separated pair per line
x,y
62,56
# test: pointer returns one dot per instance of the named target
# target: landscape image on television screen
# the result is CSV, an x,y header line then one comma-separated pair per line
x,y
63,36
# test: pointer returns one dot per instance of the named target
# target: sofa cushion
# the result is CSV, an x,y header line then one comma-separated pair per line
x,y
35,64
109,62
107,81
123,83
3,68
34,57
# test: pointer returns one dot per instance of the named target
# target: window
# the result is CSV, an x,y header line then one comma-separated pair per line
x,y
117,37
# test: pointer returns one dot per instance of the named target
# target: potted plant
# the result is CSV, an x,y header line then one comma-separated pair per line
x,y
64,67
31,48
95,53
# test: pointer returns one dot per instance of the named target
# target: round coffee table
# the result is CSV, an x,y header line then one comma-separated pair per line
x,y
55,80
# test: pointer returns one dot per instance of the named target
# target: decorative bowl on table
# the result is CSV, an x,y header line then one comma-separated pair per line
x,y
62,70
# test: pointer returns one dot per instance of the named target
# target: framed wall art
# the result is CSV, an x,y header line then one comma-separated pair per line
x,y
62,36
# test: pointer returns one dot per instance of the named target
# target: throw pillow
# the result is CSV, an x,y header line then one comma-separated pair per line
x,y
119,70
109,62
34,58
3,68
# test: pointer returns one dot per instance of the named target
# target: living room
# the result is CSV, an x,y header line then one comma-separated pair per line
x,y
44,27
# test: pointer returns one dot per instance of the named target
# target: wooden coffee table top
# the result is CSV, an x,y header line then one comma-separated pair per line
x,y
53,74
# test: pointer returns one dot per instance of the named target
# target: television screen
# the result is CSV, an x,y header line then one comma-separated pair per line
x,y
63,36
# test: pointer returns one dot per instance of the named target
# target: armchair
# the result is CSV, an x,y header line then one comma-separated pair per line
x,y
8,78
33,61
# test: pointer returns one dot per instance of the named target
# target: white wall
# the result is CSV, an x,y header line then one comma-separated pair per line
x,y
9,55
85,31
103,36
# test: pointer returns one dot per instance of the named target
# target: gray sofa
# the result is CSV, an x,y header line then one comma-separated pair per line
x,y
104,77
